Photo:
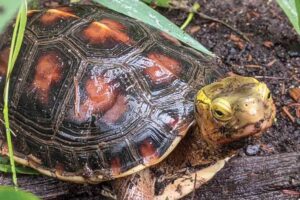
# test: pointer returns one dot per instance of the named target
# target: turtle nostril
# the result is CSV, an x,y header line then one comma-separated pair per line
x,y
257,125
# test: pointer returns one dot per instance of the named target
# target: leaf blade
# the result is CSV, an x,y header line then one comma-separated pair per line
x,y
9,193
292,9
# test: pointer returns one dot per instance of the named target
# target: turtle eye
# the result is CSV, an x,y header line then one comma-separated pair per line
x,y
269,95
218,113
221,109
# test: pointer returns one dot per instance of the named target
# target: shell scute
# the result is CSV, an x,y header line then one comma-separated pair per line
x,y
108,36
102,117
41,93
119,158
55,21
174,116
164,72
151,143
61,158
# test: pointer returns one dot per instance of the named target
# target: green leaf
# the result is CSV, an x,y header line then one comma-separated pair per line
x,y
8,9
138,10
6,167
292,10
9,193
160,3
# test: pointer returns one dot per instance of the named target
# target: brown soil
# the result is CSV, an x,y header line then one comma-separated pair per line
x,y
272,56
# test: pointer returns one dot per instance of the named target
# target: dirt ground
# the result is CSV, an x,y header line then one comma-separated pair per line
x,y
272,55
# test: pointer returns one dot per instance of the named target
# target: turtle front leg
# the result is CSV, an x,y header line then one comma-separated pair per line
x,y
189,182
138,186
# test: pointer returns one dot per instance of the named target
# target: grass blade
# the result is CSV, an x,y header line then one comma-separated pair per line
x,y
16,43
139,10
297,3
292,10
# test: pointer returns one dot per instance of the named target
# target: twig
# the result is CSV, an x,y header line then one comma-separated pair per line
x,y
294,104
287,112
194,189
204,16
271,77
253,66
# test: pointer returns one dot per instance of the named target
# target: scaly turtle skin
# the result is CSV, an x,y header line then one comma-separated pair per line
x,y
96,96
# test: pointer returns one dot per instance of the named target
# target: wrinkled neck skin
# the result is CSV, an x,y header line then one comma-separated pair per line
x,y
194,150
207,153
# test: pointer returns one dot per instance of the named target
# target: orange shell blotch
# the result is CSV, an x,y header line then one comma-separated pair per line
x,y
116,166
113,114
30,13
170,38
163,68
51,16
4,54
101,95
105,29
48,72
148,151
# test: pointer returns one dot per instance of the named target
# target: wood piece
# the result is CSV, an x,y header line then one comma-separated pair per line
x,y
243,178
255,178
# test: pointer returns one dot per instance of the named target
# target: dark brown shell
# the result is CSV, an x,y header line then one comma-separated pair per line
x,y
96,95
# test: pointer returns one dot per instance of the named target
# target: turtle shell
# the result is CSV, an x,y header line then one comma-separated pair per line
x,y
96,95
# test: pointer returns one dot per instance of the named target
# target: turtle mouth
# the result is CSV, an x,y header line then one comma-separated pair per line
x,y
249,130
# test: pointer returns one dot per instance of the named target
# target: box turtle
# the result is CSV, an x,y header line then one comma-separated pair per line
x,y
96,96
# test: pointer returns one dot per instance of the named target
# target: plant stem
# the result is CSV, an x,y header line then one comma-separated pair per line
x,y
195,8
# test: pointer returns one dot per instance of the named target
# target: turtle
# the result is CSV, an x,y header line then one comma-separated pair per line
x,y
98,96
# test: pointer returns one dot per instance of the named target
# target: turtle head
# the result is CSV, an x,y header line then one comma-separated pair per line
x,y
232,109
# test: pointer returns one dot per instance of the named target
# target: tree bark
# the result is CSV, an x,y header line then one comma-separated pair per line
x,y
251,178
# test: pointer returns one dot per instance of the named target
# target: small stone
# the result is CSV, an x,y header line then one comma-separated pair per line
x,y
252,150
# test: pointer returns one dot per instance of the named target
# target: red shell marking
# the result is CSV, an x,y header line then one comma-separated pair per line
x,y
102,97
148,151
170,38
51,16
116,166
48,72
163,70
118,109
4,55
99,32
